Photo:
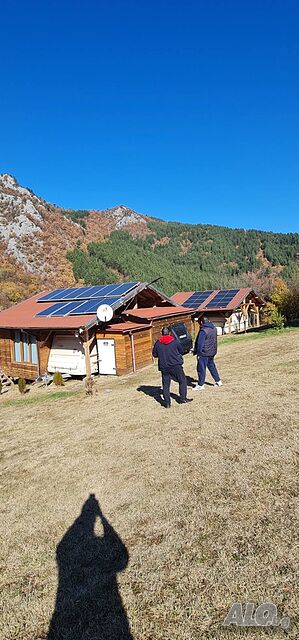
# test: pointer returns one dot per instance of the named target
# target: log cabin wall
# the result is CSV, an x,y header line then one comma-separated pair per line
x,y
5,351
128,354
164,322
23,369
143,348
7,362
123,349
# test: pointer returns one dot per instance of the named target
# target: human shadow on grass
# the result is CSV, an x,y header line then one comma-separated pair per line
x,y
88,603
191,382
156,393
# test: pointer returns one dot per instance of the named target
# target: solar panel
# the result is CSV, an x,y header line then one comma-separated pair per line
x,y
90,306
116,289
124,288
52,309
222,298
101,290
51,296
86,307
77,307
75,293
104,291
86,293
197,298
71,294
60,294
65,309
83,293
197,295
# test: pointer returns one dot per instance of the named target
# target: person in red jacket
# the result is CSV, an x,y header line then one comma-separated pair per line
x,y
170,362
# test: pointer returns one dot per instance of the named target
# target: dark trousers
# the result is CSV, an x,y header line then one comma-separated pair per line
x,y
202,363
177,374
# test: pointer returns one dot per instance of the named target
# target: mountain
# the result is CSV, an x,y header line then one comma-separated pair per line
x,y
44,246
35,237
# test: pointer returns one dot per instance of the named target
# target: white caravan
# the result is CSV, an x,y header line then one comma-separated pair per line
x,y
67,356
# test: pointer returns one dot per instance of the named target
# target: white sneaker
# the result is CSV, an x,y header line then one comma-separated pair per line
x,y
199,387
218,384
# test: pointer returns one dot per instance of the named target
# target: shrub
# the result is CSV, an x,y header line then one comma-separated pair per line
x,y
280,295
58,379
278,319
22,385
273,316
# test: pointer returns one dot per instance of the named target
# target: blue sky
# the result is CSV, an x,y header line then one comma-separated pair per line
x,y
185,110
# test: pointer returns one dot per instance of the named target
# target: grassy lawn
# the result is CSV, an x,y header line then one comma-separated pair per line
x,y
123,521
27,401
256,335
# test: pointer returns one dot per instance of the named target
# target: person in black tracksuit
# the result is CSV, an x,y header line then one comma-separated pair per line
x,y
205,348
170,362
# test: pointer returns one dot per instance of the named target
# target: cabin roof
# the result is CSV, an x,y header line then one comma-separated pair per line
x,y
24,315
182,297
123,327
157,312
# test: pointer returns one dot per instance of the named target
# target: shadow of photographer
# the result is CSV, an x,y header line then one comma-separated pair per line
x,y
88,602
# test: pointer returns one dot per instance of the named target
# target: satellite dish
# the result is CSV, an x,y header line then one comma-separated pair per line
x,y
104,313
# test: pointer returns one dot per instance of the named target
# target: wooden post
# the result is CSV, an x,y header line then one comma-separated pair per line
x,y
223,323
87,354
245,307
133,351
257,316
246,319
193,321
256,311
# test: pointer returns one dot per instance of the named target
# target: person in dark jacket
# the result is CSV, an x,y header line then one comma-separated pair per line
x,y
205,348
170,362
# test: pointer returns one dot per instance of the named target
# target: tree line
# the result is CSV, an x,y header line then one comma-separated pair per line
x,y
187,257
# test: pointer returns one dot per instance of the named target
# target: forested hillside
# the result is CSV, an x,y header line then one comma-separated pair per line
x,y
187,256
43,246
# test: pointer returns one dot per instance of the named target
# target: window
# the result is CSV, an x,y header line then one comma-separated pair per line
x,y
25,347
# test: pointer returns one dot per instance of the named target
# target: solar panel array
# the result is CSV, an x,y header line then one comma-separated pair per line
x,y
84,300
222,298
87,293
219,301
197,299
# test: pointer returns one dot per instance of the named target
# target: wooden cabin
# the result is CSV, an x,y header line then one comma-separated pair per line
x,y
59,331
231,310
134,338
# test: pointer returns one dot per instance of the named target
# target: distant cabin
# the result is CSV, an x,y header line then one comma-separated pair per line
x,y
231,310
59,330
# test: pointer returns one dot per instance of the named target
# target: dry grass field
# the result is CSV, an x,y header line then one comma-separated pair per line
x,y
195,507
